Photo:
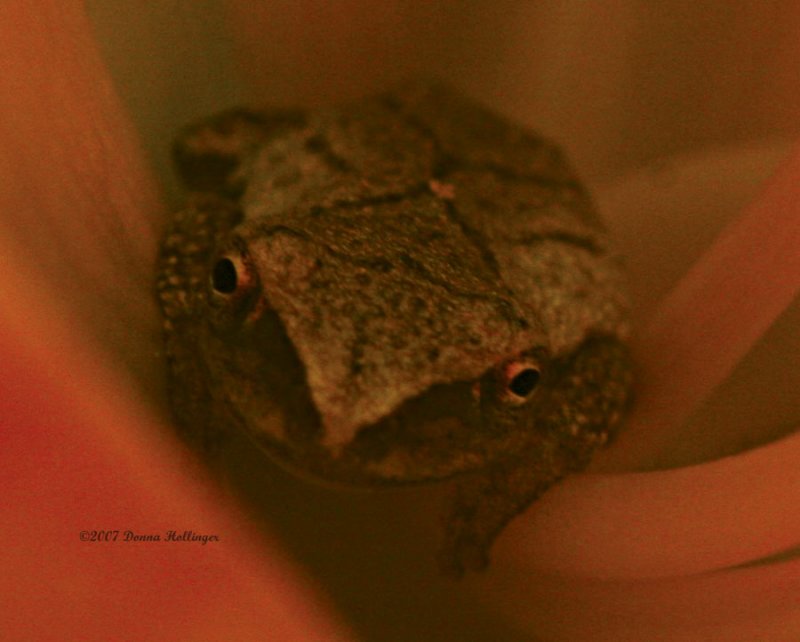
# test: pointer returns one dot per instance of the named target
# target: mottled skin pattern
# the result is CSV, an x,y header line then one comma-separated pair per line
x,y
401,290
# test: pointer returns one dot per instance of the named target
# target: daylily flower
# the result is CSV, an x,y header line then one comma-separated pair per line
x,y
685,528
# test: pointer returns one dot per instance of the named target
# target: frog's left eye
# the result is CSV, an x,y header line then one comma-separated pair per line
x,y
229,275
232,289
224,276
521,379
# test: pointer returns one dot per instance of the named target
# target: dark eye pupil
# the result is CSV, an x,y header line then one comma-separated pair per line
x,y
223,278
524,382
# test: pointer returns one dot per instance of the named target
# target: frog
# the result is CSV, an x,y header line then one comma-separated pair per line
x,y
405,289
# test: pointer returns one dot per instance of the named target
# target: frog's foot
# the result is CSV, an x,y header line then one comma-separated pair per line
x,y
209,154
483,504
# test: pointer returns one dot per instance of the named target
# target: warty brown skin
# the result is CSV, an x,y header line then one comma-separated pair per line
x,y
400,290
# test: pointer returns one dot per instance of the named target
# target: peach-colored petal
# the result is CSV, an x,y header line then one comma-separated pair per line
x,y
80,452
743,605
69,467
75,195
674,522
665,217
74,462
721,307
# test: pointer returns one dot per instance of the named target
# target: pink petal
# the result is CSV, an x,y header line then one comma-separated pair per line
x,y
721,307
80,451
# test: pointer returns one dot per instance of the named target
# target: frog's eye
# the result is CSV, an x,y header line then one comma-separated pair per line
x,y
232,291
521,379
228,275
224,276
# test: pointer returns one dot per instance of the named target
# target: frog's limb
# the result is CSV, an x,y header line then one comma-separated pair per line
x,y
585,407
482,506
209,154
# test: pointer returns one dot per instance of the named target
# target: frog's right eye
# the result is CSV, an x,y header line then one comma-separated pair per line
x,y
520,379
225,276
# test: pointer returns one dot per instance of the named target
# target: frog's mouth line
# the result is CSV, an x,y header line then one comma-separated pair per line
x,y
433,435
440,433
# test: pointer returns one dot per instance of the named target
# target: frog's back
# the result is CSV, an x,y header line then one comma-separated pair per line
x,y
510,192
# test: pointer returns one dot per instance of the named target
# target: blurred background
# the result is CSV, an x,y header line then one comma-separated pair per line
x,y
619,82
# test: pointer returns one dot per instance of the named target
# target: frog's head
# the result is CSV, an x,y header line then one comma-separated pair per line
x,y
376,336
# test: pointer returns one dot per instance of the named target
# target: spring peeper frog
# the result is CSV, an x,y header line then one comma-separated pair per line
x,y
401,290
